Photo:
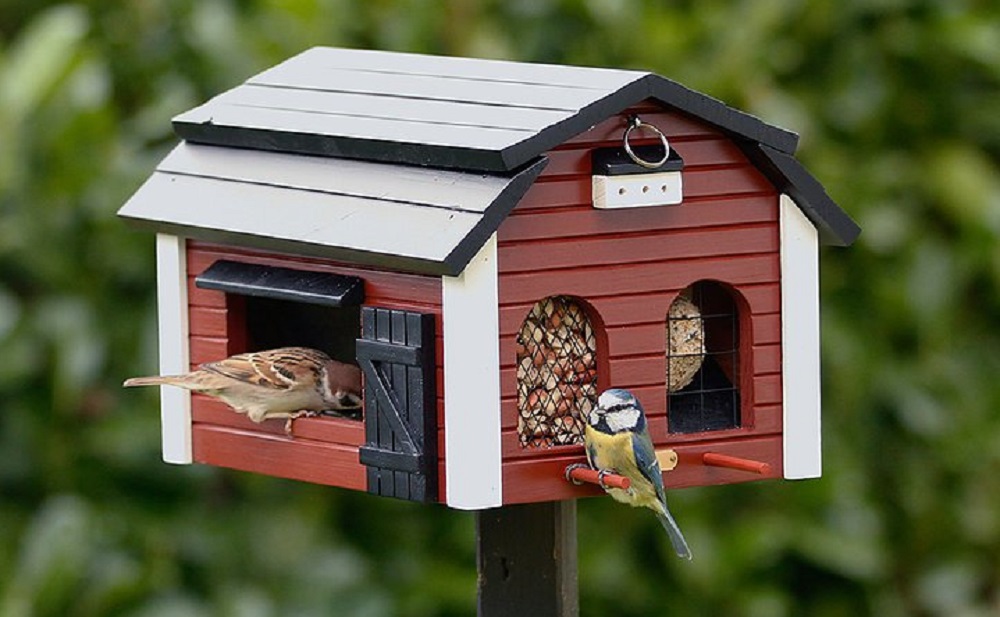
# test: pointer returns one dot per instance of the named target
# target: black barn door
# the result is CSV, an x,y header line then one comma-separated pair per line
x,y
396,353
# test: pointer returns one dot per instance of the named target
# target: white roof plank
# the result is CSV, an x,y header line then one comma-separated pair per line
x,y
393,107
598,79
407,218
410,86
437,111
351,223
218,114
380,181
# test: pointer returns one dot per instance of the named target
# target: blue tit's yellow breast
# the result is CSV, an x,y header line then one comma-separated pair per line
x,y
616,453
611,451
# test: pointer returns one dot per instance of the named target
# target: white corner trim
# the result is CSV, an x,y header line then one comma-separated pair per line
x,y
471,317
172,312
800,343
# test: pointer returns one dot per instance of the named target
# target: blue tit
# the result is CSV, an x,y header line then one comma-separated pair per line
x,y
617,441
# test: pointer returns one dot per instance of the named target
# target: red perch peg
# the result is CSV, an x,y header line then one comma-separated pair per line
x,y
592,476
715,459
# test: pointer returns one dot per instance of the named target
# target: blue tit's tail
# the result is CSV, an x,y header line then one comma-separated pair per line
x,y
674,532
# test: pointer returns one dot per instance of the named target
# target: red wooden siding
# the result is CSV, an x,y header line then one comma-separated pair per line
x,y
629,265
322,450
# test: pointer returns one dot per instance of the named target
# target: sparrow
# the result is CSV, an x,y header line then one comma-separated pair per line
x,y
288,382
617,440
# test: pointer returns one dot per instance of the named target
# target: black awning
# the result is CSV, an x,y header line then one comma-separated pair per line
x,y
283,283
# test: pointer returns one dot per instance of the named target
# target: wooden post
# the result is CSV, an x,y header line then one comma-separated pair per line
x,y
527,560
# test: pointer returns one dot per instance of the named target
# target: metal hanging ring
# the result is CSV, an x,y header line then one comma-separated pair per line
x,y
635,123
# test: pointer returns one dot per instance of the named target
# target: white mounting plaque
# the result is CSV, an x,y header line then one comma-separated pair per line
x,y
637,190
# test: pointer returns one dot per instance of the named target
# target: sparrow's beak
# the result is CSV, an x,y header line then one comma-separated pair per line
x,y
347,400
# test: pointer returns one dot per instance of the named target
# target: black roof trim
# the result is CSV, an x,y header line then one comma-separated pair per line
x,y
586,117
509,197
379,150
716,112
835,226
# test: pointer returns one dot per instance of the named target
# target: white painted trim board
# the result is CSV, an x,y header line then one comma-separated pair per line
x,y
473,478
800,343
175,357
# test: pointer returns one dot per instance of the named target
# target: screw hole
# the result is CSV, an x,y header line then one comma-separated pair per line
x,y
621,191
663,189
645,189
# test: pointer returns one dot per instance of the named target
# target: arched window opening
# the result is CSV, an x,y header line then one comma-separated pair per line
x,y
703,360
556,373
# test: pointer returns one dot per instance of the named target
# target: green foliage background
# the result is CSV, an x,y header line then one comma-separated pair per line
x,y
898,103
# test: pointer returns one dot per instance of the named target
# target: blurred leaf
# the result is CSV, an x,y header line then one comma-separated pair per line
x,y
53,559
39,58
967,184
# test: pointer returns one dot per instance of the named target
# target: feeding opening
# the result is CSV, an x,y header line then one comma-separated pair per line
x,y
270,307
703,360
272,323
556,373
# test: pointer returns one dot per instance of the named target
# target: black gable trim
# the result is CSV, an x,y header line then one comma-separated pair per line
x,y
379,150
582,120
651,86
460,257
835,226
716,112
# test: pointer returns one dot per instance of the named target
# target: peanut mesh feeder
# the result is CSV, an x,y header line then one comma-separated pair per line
x,y
556,373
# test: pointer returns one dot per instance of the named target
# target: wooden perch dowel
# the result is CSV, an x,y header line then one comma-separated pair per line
x,y
593,476
715,459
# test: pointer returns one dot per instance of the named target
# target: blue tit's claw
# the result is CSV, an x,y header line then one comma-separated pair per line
x,y
600,478
571,468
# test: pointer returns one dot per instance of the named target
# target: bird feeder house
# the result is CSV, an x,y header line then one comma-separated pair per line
x,y
493,243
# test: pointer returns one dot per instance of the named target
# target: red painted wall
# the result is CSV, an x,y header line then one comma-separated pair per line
x,y
629,265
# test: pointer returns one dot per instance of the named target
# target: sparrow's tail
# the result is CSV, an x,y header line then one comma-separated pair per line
x,y
674,532
157,380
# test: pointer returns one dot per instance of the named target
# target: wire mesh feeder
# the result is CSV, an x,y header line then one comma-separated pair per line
x,y
685,342
556,373
703,367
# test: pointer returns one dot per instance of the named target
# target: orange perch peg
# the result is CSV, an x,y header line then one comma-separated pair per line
x,y
734,462
592,476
